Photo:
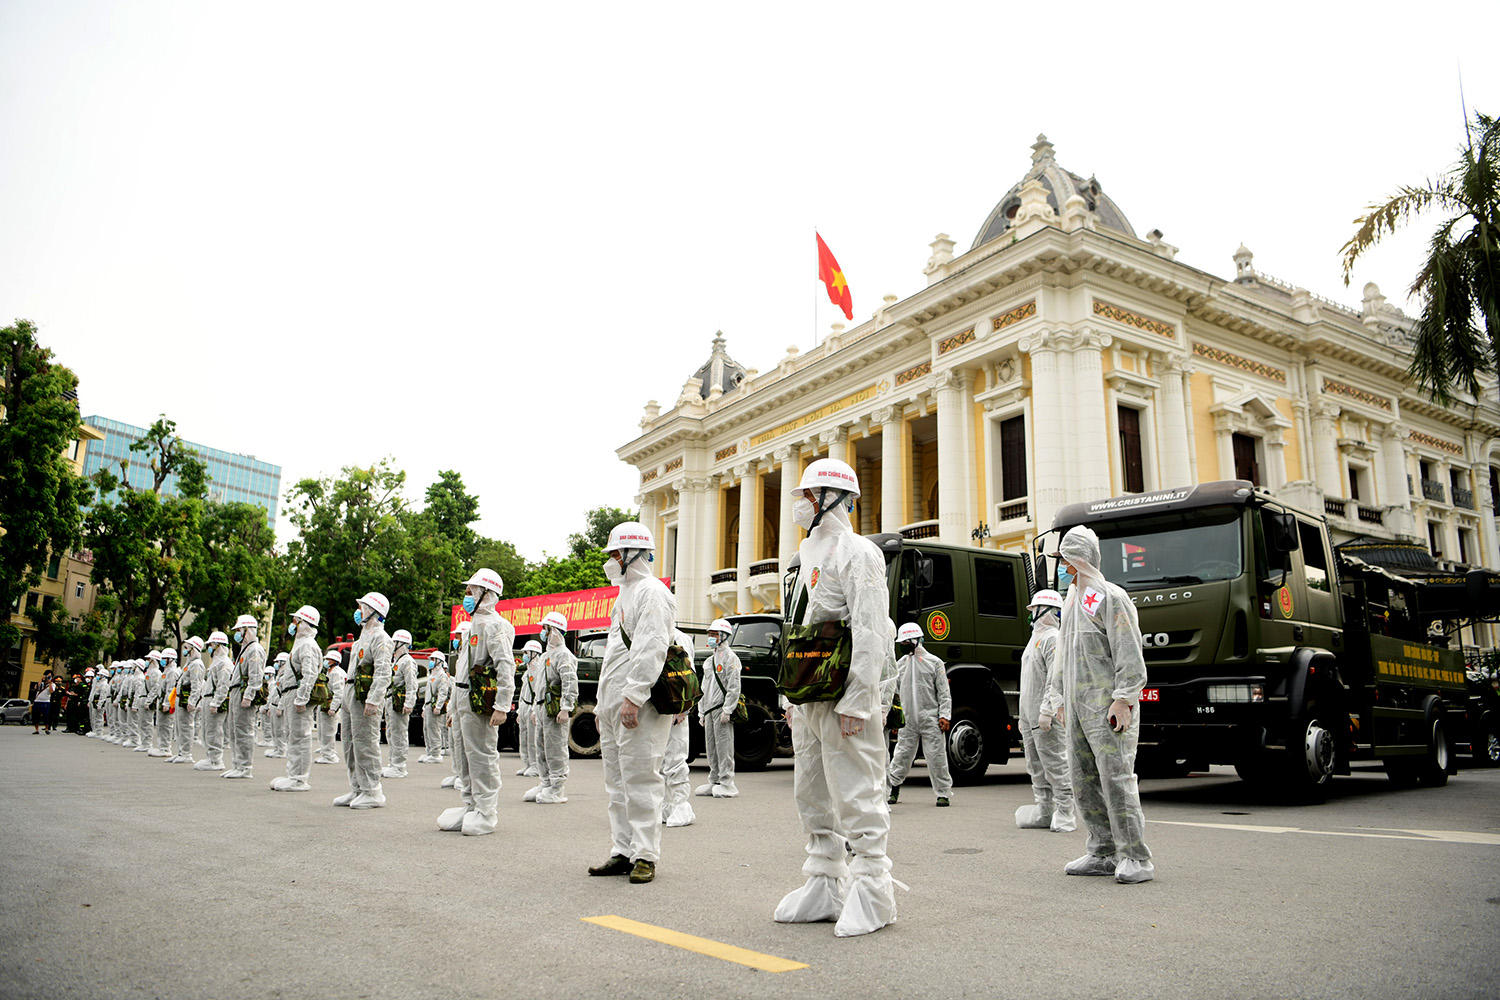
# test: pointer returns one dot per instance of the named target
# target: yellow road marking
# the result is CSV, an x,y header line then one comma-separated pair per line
x,y
703,946
1379,833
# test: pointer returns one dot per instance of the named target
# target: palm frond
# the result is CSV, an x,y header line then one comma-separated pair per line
x,y
1385,219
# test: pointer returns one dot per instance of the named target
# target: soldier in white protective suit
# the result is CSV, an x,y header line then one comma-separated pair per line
x,y
245,679
211,701
189,684
434,723
557,676
402,700
369,674
721,696
928,704
295,682
676,810
1043,736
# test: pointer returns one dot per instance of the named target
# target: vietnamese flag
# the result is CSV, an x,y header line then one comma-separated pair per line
x,y
832,275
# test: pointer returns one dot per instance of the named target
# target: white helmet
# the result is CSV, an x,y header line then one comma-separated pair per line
x,y
402,636
283,657
487,579
195,642
334,655
828,473
437,656
630,535
377,603
309,614
170,654
246,621
89,672
720,625
910,632
556,620
532,647
463,627
219,637
1046,599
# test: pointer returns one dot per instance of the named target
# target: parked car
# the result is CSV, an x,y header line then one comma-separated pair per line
x,y
15,710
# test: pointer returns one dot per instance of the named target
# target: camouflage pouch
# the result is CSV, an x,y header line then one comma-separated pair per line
x,y
815,662
364,679
554,700
321,697
482,690
677,689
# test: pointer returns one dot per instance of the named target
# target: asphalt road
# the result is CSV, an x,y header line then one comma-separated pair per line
x,y
125,876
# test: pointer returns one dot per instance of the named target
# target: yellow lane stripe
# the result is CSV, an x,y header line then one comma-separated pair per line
x,y
703,946
1388,833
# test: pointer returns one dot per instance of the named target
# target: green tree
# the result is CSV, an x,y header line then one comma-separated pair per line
x,y
599,522
503,558
231,570
41,497
1459,282
559,574
451,510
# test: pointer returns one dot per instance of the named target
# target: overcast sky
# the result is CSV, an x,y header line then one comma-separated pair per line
x,y
481,237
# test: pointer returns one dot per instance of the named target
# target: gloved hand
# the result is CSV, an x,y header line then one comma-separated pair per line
x,y
727,716
1045,722
1119,715
677,719
278,713
371,710
301,709
630,714
562,718
406,711
244,703
850,726
497,717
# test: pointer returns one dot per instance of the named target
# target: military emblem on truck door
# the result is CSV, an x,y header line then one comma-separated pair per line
x,y
1284,601
937,625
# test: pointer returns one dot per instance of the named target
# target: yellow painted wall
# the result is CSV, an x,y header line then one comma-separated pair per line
x,y
1292,437
929,480
1203,428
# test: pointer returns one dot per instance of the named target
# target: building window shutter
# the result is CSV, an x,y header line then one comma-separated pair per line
x,y
1130,449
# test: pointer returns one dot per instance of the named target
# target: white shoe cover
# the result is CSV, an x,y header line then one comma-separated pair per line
x,y
142,749
680,815
1032,818
345,799
870,905
531,772
326,760
1130,871
706,789
233,772
726,791
476,825
1090,864
368,800
822,898
203,765
532,793
521,773
393,772
452,819
156,753
1063,822
551,796
448,781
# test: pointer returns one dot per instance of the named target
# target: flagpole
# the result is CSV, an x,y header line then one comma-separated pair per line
x,y
815,297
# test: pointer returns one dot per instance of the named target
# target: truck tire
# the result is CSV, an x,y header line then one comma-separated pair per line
x,y
1487,748
583,733
754,740
968,750
1309,761
1432,772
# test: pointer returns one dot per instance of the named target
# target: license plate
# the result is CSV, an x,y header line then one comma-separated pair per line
x,y
1151,694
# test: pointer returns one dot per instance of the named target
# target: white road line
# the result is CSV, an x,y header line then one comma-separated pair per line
x,y
1433,836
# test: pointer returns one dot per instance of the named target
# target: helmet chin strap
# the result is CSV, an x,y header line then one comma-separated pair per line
x,y
626,564
823,505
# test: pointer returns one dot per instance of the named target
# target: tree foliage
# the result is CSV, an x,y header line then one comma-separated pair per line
x,y
40,495
1459,282
599,523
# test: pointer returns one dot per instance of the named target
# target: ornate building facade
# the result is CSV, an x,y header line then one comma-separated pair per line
x,y
1064,358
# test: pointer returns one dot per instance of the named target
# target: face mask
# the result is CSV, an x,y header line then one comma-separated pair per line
x,y
1064,580
453,644
469,604
612,572
713,641
239,637
359,617
291,629
803,513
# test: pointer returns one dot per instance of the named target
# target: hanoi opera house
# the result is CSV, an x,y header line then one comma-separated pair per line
x,y
1064,358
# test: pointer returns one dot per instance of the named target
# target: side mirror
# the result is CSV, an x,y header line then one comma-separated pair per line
x,y
1283,533
924,572
1039,573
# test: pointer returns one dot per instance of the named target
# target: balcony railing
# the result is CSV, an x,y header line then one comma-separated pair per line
x,y
764,566
1411,490
1463,497
1333,507
1433,490
1371,515
922,529
1016,509
723,576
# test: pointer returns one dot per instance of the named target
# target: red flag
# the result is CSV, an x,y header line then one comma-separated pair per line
x,y
831,275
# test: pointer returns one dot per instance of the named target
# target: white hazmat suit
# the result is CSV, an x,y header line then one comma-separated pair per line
x,y
721,696
1043,737
370,656
296,680
403,698
922,681
557,669
489,643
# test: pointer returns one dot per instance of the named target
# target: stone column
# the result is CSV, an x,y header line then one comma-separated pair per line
x,y
1325,448
1091,458
864,470
691,582
1048,483
951,387
890,421
790,460
648,506
1172,450
1275,471
710,527
749,521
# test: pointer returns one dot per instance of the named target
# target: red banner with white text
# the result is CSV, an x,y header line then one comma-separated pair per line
x,y
584,609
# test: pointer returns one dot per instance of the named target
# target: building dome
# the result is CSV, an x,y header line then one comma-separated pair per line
x,y
1061,184
719,371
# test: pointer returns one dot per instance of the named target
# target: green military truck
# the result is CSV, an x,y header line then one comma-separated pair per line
x,y
971,604
1268,649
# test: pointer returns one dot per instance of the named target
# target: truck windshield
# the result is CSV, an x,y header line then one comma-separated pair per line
x,y
756,635
1172,549
593,646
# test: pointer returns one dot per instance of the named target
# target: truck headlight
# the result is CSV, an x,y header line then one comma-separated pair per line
x,y
1242,694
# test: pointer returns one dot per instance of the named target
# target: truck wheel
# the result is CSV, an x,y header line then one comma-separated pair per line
x,y
754,740
1432,772
1309,762
583,733
967,751
1487,754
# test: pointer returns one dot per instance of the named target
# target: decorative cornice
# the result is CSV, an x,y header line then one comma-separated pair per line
x,y
1243,364
724,453
957,340
1435,442
1025,310
1122,315
1353,392
646,477
672,466
911,374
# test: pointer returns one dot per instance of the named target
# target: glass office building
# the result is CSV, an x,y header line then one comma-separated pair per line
x,y
231,477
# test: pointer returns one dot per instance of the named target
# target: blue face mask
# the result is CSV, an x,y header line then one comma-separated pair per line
x,y
239,637
1064,580
291,629
469,604
453,644
713,641
359,617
